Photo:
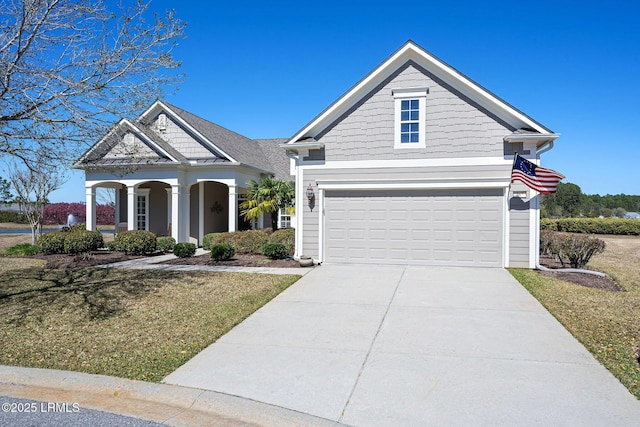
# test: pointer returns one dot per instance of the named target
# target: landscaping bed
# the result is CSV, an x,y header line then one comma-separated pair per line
x,y
582,279
238,260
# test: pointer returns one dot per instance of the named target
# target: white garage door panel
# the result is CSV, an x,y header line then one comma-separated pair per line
x,y
444,227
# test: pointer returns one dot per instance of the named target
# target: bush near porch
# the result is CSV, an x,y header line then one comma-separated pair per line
x,y
251,241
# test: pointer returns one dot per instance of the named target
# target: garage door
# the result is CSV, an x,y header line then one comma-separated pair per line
x,y
445,227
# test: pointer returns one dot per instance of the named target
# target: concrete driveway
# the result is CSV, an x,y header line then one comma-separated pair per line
x,y
407,345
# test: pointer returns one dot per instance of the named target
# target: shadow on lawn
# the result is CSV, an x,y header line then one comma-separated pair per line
x,y
99,292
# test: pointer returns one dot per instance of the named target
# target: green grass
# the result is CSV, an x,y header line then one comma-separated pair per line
x,y
133,324
606,323
21,249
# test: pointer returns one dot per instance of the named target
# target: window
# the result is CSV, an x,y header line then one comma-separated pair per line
x,y
410,118
142,209
284,219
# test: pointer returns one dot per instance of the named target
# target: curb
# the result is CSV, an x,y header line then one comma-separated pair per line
x,y
162,403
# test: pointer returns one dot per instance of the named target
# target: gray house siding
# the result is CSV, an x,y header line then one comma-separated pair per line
x,y
181,140
454,128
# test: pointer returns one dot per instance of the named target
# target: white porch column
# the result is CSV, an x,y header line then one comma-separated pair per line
x,y
90,219
131,207
180,213
200,212
116,214
233,208
169,212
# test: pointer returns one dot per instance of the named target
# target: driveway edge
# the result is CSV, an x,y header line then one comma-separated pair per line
x,y
162,403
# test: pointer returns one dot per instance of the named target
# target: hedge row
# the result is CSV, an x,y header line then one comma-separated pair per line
x,y
70,242
251,241
620,226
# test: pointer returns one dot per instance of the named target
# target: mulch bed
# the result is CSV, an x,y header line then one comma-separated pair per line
x,y
582,279
240,260
78,261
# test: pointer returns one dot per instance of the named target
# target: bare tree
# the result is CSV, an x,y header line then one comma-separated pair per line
x,y
70,68
32,187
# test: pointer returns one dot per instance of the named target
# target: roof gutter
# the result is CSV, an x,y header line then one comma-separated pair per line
x,y
544,141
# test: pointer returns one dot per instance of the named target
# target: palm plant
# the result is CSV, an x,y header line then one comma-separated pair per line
x,y
268,196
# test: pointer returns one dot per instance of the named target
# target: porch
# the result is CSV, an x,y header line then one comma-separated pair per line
x,y
166,208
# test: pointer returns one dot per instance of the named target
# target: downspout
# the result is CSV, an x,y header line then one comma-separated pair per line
x,y
545,147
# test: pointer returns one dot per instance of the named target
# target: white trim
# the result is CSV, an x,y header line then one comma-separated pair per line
x,y
142,192
404,184
299,210
169,210
408,95
506,233
201,185
408,163
321,225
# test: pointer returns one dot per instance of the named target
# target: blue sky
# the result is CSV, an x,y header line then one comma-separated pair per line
x,y
265,69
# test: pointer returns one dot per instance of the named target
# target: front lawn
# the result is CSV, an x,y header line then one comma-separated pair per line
x,y
607,323
138,324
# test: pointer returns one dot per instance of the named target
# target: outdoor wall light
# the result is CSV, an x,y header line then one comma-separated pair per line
x,y
310,196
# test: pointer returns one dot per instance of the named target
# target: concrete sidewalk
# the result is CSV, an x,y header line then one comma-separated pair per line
x,y
397,345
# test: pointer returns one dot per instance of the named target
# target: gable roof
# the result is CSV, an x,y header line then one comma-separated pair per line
x,y
225,145
411,52
164,153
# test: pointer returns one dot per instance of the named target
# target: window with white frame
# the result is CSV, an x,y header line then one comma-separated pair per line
x,y
410,118
284,219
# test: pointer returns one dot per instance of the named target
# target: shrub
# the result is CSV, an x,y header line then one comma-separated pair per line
x,y
579,249
222,252
573,249
207,241
286,236
52,243
112,245
165,244
135,242
250,241
228,237
274,250
22,249
71,228
78,242
13,216
618,226
184,250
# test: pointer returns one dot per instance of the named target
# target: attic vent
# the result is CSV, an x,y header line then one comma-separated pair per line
x,y
162,122
128,138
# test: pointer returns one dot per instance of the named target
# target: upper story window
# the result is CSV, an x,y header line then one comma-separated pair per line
x,y
410,118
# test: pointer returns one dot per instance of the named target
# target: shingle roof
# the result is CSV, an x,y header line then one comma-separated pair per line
x,y
263,154
239,147
276,156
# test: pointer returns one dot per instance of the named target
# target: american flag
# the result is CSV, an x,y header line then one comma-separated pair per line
x,y
535,177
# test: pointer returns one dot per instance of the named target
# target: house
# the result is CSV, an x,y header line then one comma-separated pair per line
x,y
412,165
177,174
